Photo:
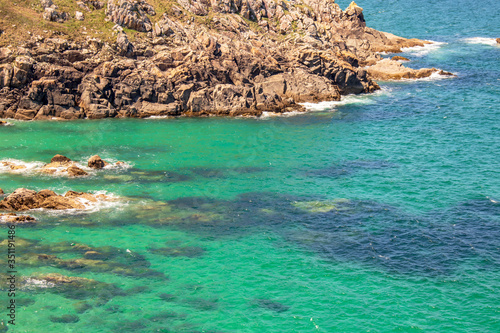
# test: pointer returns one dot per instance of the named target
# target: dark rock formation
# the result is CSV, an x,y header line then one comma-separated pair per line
x,y
207,58
498,40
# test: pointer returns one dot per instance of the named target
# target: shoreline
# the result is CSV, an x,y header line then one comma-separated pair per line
x,y
199,60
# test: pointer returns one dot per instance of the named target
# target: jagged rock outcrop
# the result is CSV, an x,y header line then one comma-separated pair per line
x,y
51,14
130,14
90,5
24,199
230,58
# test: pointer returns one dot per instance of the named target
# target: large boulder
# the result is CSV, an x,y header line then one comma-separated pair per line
x,y
95,162
60,159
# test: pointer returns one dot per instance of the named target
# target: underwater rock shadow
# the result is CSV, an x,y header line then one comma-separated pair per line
x,y
403,243
348,168
375,234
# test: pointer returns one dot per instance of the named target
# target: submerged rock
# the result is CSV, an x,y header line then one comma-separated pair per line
x,y
13,166
400,58
65,319
182,251
271,305
323,206
70,286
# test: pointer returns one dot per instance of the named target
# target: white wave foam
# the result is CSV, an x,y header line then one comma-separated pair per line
x,y
481,40
420,51
267,115
346,100
111,164
9,165
159,117
110,201
433,77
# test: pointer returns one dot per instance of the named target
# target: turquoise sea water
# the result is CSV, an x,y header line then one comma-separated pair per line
x,y
378,214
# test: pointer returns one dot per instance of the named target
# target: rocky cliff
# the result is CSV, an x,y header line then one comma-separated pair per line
x,y
190,57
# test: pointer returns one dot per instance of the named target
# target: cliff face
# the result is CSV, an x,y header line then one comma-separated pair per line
x,y
199,57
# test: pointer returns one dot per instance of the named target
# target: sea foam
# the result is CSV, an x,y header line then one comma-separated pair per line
x,y
420,51
346,100
481,40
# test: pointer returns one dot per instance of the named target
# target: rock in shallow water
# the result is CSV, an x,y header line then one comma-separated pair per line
x,y
95,162
24,199
16,219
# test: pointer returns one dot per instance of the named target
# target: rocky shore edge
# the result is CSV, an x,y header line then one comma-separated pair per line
x,y
198,58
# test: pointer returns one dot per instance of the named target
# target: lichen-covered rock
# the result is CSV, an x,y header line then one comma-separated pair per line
x,y
51,14
130,14
79,16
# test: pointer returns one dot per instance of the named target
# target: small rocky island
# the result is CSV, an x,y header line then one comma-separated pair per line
x,y
141,58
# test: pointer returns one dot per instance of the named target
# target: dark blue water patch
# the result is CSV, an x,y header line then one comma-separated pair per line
x,y
382,236
348,168
372,233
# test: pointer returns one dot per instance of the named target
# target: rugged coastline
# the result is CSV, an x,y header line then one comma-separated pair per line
x,y
196,58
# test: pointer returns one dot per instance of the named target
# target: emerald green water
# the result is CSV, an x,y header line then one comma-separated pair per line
x,y
380,214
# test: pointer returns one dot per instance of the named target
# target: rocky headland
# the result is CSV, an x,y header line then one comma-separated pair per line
x,y
162,58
